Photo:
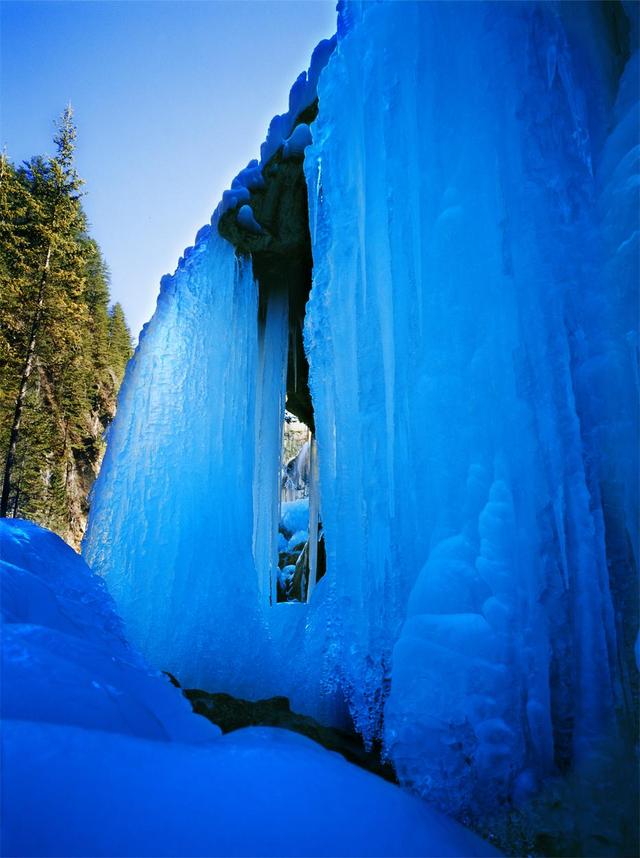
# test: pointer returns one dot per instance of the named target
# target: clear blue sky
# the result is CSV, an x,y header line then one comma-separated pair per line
x,y
171,100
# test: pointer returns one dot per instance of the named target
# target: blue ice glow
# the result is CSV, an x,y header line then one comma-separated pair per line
x,y
471,335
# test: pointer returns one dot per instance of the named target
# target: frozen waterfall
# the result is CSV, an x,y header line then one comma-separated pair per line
x,y
471,338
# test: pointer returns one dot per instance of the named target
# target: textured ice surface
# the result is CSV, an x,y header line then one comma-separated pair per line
x,y
298,538
234,197
102,757
472,340
250,177
471,335
172,518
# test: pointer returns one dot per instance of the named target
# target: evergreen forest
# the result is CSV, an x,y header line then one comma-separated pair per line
x,y
63,345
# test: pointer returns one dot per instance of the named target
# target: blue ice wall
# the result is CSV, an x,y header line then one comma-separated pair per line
x,y
472,341
172,513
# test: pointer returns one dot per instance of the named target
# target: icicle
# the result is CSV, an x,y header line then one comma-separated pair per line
x,y
270,398
172,513
314,499
294,346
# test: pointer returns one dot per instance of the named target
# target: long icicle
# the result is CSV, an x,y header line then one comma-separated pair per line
x,y
313,516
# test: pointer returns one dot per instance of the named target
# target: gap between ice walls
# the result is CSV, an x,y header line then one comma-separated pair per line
x,y
461,185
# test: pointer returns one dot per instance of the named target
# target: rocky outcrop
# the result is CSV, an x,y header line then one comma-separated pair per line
x,y
83,463
280,251
232,713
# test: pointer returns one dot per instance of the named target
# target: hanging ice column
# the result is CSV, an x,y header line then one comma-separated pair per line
x,y
172,514
270,403
460,372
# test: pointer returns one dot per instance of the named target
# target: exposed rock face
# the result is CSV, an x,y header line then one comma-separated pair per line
x,y
83,464
232,713
296,459
281,255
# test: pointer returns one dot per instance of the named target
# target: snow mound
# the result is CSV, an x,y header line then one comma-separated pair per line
x,y
65,659
103,757
298,538
88,793
294,515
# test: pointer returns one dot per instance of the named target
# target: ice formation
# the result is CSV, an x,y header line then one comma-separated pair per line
x,y
294,146
295,475
201,347
472,344
303,93
102,756
247,220
472,376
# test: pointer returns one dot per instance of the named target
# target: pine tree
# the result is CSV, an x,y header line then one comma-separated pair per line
x,y
119,340
57,185
62,353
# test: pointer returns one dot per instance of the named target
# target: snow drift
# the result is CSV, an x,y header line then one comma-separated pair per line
x,y
102,756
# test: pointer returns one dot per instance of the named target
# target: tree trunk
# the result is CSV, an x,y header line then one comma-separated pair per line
x,y
22,392
16,501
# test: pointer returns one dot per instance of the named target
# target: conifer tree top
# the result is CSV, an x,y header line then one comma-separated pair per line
x,y
63,164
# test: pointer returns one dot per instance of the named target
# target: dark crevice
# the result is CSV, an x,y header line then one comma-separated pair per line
x,y
281,258
232,713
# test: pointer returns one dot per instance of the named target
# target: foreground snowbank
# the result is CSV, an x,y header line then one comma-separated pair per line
x,y
101,756
65,658
257,791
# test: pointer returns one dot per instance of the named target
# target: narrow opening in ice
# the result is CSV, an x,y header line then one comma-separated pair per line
x,y
301,554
